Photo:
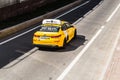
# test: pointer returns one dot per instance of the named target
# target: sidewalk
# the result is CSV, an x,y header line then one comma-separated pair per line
x,y
113,71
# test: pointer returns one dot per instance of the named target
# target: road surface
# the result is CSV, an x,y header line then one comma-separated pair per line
x,y
81,59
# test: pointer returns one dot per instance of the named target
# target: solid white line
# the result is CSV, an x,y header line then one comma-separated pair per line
x,y
18,35
110,58
110,17
65,72
38,26
73,9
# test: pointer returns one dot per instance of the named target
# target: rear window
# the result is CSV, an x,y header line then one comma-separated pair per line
x,y
49,29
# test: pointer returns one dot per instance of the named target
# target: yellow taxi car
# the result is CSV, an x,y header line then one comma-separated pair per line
x,y
54,33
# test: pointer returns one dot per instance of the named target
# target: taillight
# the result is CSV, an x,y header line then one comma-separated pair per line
x,y
36,36
55,36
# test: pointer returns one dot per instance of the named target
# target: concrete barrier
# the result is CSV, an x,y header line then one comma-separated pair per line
x,y
21,26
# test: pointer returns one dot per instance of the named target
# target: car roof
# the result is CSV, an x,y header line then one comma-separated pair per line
x,y
53,22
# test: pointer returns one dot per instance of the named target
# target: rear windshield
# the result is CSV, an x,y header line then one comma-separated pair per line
x,y
49,29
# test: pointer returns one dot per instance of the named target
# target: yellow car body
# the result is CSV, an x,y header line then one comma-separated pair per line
x,y
54,33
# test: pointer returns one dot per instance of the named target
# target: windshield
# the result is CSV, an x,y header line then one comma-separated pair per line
x,y
49,29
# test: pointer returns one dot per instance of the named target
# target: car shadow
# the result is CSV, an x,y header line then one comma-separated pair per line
x,y
72,45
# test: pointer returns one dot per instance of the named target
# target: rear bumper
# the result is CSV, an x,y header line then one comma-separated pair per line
x,y
45,45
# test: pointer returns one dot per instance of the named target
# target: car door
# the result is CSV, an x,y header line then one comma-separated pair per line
x,y
70,30
66,32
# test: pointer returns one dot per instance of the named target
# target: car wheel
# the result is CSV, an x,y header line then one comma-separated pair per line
x,y
64,43
75,34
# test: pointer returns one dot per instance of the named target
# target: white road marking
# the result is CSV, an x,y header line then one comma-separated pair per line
x,y
65,72
18,35
38,26
113,13
110,58
73,9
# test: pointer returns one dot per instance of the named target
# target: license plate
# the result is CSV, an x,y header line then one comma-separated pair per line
x,y
44,37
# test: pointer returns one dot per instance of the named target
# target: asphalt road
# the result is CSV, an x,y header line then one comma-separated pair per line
x,y
19,46
80,60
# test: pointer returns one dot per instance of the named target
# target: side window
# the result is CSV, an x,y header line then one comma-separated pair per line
x,y
64,27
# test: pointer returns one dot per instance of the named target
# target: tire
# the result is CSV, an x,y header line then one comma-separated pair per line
x,y
64,43
75,34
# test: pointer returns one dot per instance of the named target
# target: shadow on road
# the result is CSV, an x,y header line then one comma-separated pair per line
x,y
72,45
